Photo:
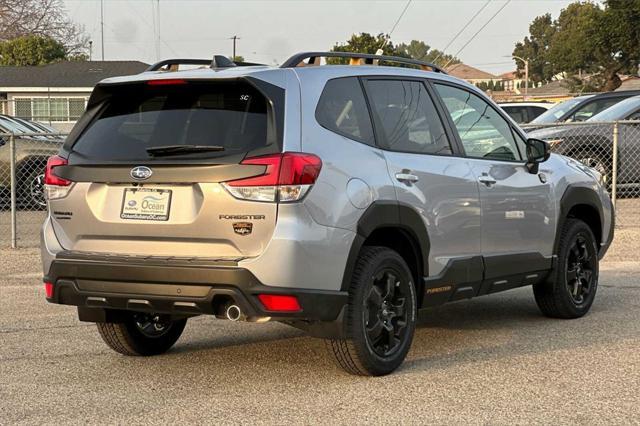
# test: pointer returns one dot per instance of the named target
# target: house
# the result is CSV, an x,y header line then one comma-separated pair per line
x,y
56,93
511,82
471,74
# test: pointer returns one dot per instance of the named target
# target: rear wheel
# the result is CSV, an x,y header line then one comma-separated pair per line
x,y
31,189
142,334
381,315
571,288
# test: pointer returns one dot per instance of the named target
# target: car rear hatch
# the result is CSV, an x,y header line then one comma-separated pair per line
x,y
173,168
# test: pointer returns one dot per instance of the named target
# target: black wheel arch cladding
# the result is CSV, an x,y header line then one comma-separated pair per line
x,y
584,200
394,216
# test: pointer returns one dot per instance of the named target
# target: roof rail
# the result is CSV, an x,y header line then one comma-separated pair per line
x,y
218,61
298,59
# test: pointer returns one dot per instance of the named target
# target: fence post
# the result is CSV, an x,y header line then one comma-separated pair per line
x,y
14,185
614,170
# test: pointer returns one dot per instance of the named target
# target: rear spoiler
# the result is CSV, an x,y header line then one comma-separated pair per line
x,y
218,61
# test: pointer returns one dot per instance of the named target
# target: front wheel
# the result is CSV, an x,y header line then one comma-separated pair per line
x,y
142,334
381,316
571,287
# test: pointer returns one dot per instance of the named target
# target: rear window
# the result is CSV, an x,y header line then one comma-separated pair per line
x,y
232,115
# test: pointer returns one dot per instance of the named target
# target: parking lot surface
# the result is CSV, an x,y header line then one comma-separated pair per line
x,y
489,360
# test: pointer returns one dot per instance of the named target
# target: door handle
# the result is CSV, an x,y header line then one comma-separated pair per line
x,y
487,180
406,178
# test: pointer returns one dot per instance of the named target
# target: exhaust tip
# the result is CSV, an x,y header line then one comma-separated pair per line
x,y
233,313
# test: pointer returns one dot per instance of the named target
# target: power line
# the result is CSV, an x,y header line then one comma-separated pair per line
x,y
461,30
406,6
478,32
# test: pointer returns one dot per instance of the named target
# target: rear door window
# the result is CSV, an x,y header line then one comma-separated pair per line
x,y
408,117
229,115
343,110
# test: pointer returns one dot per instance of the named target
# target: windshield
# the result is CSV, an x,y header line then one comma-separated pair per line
x,y
231,115
12,126
619,111
553,114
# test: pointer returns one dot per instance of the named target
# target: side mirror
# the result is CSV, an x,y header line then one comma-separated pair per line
x,y
537,152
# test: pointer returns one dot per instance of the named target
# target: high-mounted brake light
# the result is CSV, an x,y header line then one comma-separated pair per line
x,y
54,186
280,303
287,177
49,177
166,82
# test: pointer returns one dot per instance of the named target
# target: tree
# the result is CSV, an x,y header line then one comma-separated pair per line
x,y
31,50
535,48
237,58
588,39
46,18
423,52
367,43
363,43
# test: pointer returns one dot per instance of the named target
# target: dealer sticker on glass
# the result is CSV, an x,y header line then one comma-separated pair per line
x,y
146,204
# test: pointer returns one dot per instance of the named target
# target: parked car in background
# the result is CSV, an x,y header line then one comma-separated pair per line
x,y
592,144
524,112
31,155
583,108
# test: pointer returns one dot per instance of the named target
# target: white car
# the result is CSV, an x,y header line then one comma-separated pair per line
x,y
525,112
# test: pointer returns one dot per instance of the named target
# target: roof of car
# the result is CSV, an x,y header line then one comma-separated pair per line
x,y
539,104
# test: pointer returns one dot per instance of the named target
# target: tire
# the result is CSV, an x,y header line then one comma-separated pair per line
x,y
382,292
138,336
31,189
571,287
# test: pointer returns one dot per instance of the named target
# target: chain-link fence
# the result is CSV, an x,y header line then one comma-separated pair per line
x,y
613,149
23,158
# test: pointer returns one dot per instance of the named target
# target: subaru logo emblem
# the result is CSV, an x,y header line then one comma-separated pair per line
x,y
141,173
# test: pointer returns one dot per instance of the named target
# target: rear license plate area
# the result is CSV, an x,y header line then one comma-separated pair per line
x,y
146,204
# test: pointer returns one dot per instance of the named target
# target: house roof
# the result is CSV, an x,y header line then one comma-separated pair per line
x,y
467,72
67,74
511,75
630,83
557,87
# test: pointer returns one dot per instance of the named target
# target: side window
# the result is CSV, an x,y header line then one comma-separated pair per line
x,y
518,113
592,108
535,111
343,110
408,117
483,132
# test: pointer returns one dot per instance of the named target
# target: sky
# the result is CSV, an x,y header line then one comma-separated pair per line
x,y
271,31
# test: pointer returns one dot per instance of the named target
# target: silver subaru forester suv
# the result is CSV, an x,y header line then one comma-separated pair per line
x,y
338,199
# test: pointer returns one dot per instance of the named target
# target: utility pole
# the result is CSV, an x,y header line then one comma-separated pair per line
x,y
526,74
234,38
158,53
102,27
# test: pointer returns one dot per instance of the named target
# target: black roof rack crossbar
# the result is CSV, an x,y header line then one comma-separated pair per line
x,y
218,61
299,58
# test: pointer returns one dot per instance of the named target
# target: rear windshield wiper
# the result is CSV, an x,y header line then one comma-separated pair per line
x,y
157,151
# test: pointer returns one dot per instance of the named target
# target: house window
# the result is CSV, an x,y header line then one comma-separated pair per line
x,y
50,109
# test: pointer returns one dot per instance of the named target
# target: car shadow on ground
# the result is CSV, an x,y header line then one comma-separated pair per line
x,y
504,325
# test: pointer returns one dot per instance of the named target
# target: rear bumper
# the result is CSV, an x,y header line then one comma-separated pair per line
x,y
178,287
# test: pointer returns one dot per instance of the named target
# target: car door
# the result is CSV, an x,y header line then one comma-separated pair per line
x,y
518,209
431,177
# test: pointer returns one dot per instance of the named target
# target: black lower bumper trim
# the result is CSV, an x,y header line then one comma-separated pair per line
x,y
179,289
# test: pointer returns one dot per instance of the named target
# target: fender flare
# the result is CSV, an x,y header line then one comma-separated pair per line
x,y
573,196
388,214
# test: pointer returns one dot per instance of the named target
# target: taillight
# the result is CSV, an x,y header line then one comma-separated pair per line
x,y
48,290
287,178
279,302
55,187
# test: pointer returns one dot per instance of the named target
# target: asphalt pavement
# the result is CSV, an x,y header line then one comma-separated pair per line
x,y
491,360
